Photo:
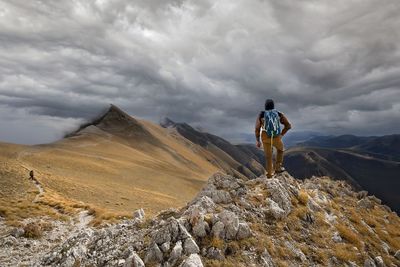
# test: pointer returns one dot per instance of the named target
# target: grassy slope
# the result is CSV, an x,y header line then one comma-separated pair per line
x,y
107,171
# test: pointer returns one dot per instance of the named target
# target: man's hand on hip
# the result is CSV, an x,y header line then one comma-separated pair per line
x,y
258,143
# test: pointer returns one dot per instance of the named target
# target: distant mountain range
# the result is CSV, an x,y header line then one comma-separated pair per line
x,y
369,163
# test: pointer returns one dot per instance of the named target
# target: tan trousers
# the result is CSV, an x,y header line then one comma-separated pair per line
x,y
277,143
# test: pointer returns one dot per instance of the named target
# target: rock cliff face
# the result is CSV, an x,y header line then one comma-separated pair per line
x,y
234,222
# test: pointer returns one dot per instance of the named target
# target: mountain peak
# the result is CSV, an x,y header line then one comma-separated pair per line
x,y
112,119
114,114
167,122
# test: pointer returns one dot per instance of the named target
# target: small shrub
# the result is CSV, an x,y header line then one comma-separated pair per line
x,y
217,243
303,197
32,230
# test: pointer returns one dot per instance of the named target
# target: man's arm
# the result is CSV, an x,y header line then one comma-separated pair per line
x,y
258,127
286,124
257,130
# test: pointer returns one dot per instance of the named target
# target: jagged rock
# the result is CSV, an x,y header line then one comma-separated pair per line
x,y
154,254
215,253
243,231
385,247
397,255
190,246
134,261
201,204
167,232
309,218
165,247
175,237
218,230
375,199
295,251
193,260
201,227
365,203
336,237
176,253
266,259
219,196
379,261
279,194
139,215
362,194
273,210
231,223
17,232
352,264
369,263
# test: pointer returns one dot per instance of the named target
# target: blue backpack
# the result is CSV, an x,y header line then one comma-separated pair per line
x,y
271,123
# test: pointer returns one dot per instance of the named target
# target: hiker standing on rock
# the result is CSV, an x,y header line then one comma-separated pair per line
x,y
268,126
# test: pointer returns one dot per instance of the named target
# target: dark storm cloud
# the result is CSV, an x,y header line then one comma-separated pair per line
x,y
331,67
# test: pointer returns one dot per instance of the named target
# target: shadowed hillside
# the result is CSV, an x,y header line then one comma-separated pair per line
x,y
377,176
245,159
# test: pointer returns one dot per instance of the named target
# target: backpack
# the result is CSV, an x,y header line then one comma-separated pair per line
x,y
271,123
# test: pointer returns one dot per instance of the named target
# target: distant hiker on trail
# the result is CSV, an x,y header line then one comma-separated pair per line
x,y
31,175
268,126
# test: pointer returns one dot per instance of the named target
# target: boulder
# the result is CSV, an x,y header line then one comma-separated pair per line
x,y
193,260
243,231
218,230
266,259
17,232
397,255
365,203
369,263
273,210
154,254
279,194
200,228
379,261
176,253
215,253
134,261
190,246
139,215
231,223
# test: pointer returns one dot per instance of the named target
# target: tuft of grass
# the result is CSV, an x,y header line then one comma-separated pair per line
x,y
217,242
303,197
345,252
348,234
33,230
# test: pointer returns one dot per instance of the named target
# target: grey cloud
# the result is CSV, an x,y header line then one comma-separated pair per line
x,y
329,66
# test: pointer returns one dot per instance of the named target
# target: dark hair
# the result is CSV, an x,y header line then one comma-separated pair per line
x,y
269,104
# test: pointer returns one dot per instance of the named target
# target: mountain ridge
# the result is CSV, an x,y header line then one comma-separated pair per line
x,y
234,222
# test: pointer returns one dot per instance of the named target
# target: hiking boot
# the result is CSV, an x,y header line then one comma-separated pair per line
x,y
280,170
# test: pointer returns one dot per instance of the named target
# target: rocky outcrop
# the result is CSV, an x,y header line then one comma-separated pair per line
x,y
259,222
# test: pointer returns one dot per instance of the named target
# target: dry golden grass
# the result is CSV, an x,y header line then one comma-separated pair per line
x,y
345,252
300,212
303,197
348,234
33,230
105,171
217,243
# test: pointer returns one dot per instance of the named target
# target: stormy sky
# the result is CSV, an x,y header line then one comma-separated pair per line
x,y
330,66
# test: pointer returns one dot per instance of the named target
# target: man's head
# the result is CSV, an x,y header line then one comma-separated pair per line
x,y
269,104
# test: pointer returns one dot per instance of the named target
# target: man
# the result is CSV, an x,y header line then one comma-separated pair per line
x,y
268,126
